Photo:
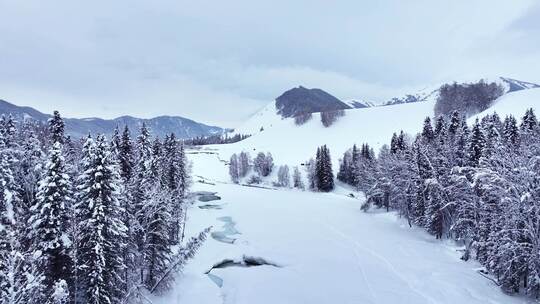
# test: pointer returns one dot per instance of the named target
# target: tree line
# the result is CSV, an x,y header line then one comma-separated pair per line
x,y
90,221
319,172
217,139
478,185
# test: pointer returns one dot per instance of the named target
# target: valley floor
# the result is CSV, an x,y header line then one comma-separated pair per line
x,y
314,248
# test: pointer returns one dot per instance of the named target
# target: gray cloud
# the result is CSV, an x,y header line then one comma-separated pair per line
x,y
219,61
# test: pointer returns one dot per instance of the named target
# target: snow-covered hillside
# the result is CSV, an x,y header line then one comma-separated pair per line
x,y
514,103
291,144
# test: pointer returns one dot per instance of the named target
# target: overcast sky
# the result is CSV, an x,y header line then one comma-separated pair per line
x,y
219,61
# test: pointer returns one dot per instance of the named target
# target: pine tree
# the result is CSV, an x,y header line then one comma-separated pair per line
x,y
465,202
511,132
529,122
100,260
476,145
125,155
115,141
176,182
435,202
50,222
157,254
323,170
427,132
401,142
141,186
56,127
455,123
440,127
355,167
394,144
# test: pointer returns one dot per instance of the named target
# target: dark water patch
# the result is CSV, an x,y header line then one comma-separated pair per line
x,y
246,262
209,198
210,206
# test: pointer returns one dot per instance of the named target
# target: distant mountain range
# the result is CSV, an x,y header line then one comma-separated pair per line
x,y
160,126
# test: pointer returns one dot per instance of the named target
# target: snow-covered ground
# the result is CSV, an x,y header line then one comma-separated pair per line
x,y
321,247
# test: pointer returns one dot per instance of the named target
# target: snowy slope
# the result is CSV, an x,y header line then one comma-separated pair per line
x,y
514,103
323,250
291,144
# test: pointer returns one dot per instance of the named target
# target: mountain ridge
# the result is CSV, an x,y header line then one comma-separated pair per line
x,y
79,127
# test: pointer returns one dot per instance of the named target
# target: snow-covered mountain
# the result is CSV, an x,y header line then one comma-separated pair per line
x,y
160,126
293,144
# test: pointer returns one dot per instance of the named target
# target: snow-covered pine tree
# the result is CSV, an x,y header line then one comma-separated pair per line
x,y
141,185
441,127
157,250
175,182
101,229
490,188
455,123
477,142
56,128
465,203
156,161
529,121
426,172
435,202
126,155
511,131
115,141
393,143
355,166
50,223
323,170
459,149
427,131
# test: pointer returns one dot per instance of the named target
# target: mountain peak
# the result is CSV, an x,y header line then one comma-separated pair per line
x,y
302,100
